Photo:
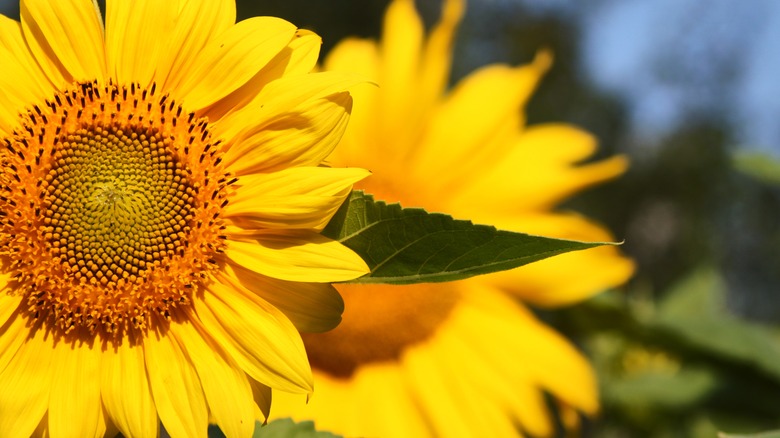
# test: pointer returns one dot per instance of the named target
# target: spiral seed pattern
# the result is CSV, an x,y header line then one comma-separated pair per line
x,y
123,202
110,203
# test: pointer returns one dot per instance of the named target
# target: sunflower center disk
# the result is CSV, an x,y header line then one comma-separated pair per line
x,y
121,206
110,208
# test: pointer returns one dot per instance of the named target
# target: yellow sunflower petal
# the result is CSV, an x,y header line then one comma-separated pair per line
x,y
496,366
26,383
437,58
393,404
300,197
23,83
579,275
12,328
311,307
225,385
232,58
257,336
487,413
352,407
299,138
401,47
298,57
125,391
362,58
537,173
294,121
282,96
262,396
303,257
556,366
465,132
66,38
335,415
434,394
9,303
137,38
197,23
492,389
74,404
357,56
42,430
176,388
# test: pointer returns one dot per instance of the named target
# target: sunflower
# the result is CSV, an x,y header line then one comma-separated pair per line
x,y
464,358
161,198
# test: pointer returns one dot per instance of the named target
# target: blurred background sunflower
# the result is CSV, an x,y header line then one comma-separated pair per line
x,y
687,348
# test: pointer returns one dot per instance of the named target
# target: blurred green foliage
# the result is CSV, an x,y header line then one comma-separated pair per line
x,y
680,366
286,428
282,428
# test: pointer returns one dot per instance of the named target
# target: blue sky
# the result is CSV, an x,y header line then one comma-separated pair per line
x,y
672,58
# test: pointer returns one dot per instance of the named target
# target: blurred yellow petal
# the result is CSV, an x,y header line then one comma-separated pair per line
x,y
556,366
568,278
437,54
386,409
432,391
360,57
401,47
499,392
351,406
539,171
473,127
488,413
465,153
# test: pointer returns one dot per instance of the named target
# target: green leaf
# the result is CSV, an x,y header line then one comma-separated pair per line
x,y
286,428
695,310
761,166
768,434
676,390
410,245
